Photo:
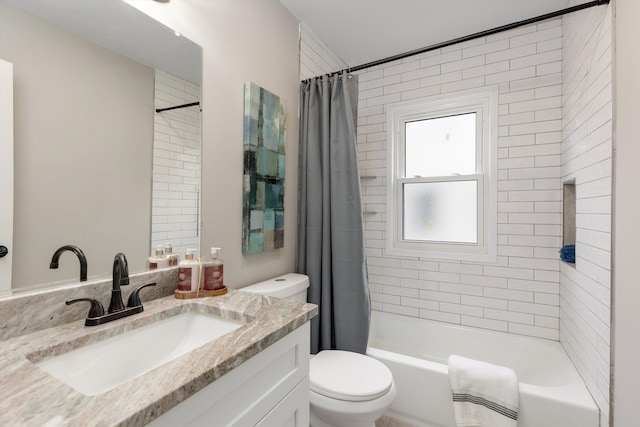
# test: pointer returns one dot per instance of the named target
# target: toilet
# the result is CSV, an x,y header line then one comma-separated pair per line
x,y
346,389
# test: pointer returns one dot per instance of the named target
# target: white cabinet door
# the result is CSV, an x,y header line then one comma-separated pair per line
x,y
271,387
292,411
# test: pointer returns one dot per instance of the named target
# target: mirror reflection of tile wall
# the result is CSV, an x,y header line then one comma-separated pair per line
x,y
176,165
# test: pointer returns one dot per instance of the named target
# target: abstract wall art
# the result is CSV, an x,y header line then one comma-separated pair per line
x,y
264,161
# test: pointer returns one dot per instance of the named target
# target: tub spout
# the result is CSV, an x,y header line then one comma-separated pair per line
x,y
76,250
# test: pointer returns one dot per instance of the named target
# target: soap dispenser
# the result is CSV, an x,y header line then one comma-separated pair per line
x,y
213,277
158,259
188,273
168,251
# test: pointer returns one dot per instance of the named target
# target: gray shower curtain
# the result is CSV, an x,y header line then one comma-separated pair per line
x,y
331,237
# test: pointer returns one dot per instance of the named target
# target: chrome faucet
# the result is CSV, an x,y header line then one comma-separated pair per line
x,y
116,309
120,277
76,250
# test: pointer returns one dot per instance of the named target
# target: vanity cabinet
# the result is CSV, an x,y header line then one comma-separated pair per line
x,y
270,389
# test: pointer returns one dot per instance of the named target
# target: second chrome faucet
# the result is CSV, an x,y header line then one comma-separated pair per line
x,y
116,309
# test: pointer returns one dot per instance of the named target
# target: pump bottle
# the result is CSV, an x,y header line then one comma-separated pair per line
x,y
188,273
158,259
168,251
213,269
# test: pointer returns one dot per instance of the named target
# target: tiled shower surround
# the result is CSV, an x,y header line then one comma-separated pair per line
x,y
316,58
554,82
520,292
585,289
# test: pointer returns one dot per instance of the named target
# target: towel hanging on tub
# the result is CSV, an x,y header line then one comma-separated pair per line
x,y
484,395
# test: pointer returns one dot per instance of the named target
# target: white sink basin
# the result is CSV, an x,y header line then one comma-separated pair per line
x,y
101,366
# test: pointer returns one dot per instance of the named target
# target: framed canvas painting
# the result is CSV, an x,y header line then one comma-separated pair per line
x,y
264,167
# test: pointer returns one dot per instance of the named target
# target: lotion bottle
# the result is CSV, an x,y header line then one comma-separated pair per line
x,y
188,273
158,259
168,250
213,269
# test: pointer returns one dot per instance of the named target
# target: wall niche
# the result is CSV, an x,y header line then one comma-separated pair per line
x,y
567,253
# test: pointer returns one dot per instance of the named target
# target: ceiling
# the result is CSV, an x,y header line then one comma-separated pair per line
x,y
362,31
358,31
116,25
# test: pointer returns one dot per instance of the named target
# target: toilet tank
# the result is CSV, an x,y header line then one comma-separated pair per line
x,y
292,286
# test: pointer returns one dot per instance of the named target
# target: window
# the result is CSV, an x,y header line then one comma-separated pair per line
x,y
441,198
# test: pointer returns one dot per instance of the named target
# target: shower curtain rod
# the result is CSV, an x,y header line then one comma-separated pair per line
x,y
475,36
160,110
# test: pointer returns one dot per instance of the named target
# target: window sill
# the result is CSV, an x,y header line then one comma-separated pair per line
x,y
484,257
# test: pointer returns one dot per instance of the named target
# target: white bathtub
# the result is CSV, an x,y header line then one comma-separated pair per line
x,y
552,393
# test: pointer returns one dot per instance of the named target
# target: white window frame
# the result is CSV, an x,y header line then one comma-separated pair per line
x,y
484,102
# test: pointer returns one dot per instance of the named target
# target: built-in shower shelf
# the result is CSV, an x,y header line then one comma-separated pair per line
x,y
368,178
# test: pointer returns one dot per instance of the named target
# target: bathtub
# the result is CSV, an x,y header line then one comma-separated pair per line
x,y
552,393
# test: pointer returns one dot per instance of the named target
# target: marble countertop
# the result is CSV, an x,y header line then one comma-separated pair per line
x,y
31,397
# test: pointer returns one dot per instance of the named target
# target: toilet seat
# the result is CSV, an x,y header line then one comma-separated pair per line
x,y
348,376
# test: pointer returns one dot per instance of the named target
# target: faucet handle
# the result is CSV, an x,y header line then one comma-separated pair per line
x,y
134,298
96,309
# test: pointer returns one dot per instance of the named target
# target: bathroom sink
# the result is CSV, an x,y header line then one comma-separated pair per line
x,y
101,366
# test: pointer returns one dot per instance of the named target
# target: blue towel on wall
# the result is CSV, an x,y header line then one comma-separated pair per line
x,y
568,253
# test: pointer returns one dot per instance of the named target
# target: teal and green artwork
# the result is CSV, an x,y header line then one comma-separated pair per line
x,y
264,159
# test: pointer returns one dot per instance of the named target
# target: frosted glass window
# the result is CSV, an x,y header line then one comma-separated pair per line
x,y
442,176
441,211
441,146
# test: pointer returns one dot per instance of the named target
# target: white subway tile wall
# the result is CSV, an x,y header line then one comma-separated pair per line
x,y
316,58
520,292
555,83
585,289
176,165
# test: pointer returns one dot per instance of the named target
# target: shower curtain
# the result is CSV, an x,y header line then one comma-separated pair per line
x,y
331,237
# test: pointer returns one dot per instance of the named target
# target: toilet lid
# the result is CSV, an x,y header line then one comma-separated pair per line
x,y
348,376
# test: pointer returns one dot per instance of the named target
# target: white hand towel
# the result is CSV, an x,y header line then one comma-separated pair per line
x,y
484,395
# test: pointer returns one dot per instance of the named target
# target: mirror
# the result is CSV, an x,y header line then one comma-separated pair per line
x,y
94,165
